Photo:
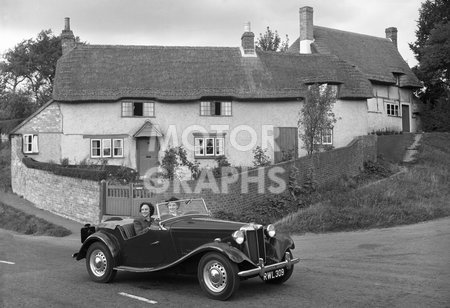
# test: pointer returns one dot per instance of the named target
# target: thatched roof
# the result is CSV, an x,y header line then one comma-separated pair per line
x,y
104,73
378,58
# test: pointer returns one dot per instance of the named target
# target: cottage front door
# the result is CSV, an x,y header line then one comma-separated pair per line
x,y
405,119
147,153
286,143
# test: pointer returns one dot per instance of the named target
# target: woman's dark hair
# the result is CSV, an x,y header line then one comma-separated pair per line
x,y
152,208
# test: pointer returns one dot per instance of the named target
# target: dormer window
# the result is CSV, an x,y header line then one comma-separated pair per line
x,y
397,79
215,108
138,109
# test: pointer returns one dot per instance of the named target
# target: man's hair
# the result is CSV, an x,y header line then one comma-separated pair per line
x,y
172,199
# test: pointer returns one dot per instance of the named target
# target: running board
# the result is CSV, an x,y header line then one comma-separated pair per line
x,y
135,269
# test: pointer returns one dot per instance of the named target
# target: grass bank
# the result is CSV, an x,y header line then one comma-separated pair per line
x,y
421,192
18,221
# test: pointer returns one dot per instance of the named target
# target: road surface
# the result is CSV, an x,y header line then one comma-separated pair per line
x,y
406,266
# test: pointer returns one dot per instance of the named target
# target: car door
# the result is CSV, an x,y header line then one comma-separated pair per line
x,y
144,250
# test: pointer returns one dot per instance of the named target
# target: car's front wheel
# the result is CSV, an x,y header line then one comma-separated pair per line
x,y
218,276
100,263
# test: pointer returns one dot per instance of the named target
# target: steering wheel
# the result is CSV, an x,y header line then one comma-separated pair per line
x,y
166,216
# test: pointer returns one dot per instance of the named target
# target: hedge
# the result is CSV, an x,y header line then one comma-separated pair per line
x,y
93,172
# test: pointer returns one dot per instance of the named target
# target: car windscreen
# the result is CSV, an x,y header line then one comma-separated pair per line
x,y
181,208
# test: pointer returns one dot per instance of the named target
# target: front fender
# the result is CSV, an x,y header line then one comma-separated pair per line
x,y
278,245
231,252
110,242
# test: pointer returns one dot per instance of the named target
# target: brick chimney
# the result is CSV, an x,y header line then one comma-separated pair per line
x,y
67,37
248,41
391,33
306,29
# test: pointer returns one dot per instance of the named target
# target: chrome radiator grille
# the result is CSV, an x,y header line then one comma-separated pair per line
x,y
255,244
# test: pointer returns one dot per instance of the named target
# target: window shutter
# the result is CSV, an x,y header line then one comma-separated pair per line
x,y
34,145
24,143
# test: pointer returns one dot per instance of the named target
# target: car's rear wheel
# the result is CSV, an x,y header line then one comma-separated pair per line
x,y
218,276
100,263
285,277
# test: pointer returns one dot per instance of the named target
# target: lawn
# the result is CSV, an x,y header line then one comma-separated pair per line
x,y
421,192
392,147
18,221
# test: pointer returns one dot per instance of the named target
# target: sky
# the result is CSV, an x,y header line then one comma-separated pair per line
x,y
201,22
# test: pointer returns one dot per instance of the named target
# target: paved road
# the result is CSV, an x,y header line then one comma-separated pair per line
x,y
398,267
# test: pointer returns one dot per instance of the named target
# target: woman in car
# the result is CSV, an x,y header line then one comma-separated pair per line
x,y
143,223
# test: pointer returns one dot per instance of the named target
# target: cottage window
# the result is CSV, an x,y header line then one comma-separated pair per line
x,y
209,146
118,147
214,108
138,109
96,148
327,137
30,144
392,109
106,148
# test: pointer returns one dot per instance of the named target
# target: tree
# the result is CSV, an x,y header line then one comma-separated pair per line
x,y
15,106
432,51
30,67
270,41
316,115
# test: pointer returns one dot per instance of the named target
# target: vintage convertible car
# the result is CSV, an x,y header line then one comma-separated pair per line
x,y
220,252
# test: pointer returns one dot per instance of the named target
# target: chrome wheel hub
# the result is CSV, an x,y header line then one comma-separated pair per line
x,y
98,263
215,276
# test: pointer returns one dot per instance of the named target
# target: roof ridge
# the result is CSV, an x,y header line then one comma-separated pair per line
x,y
354,33
100,46
292,54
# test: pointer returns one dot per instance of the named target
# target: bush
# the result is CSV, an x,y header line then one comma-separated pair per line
x,y
222,168
376,169
175,157
5,166
260,157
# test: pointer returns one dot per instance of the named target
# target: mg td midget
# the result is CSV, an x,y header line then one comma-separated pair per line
x,y
221,253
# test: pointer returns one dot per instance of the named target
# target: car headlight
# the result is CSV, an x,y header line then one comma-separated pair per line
x,y
270,230
238,236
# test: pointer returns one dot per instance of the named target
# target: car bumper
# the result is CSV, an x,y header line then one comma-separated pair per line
x,y
261,269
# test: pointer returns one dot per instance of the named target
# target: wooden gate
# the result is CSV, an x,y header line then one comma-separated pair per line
x,y
124,200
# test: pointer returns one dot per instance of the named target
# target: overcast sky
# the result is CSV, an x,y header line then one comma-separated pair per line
x,y
201,22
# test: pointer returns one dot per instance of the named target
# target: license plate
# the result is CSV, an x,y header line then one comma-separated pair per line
x,y
273,274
